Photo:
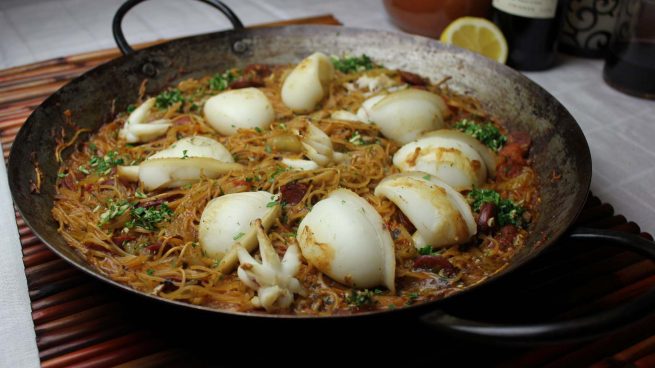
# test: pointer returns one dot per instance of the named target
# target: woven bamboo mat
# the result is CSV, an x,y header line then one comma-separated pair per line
x,y
81,322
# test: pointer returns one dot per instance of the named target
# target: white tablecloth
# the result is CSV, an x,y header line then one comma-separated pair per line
x,y
620,129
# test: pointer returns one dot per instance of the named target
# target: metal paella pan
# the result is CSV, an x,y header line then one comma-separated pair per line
x,y
558,143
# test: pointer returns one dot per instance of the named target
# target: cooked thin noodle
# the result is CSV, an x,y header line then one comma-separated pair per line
x,y
169,262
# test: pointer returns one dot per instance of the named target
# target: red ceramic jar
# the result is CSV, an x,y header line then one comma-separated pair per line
x,y
430,17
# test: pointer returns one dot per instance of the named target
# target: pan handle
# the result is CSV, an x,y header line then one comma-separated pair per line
x,y
125,47
577,329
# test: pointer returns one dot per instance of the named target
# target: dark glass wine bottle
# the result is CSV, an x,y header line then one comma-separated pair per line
x,y
531,28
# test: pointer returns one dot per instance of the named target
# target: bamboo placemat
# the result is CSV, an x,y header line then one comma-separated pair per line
x,y
81,322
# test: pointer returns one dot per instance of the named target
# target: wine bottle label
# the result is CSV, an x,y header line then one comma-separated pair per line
x,y
528,8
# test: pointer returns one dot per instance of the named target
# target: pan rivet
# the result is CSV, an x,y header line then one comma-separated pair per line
x,y
239,47
149,70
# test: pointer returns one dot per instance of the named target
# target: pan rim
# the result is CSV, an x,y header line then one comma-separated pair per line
x,y
281,30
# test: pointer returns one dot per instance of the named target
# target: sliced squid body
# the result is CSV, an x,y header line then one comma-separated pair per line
x,y
300,164
196,146
272,278
403,115
344,237
346,116
184,162
246,108
317,145
374,84
456,158
137,130
365,109
308,83
175,172
229,219
441,215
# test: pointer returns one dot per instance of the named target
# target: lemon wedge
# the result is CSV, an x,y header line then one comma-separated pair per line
x,y
478,35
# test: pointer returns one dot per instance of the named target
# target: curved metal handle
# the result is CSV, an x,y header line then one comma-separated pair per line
x,y
556,332
125,47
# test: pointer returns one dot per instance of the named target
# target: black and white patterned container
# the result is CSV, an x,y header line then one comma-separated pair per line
x,y
588,27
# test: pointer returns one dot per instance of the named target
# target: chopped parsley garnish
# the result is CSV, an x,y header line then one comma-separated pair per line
x,y
114,209
361,298
238,236
258,129
353,64
185,154
427,177
148,218
140,195
509,213
131,108
83,170
412,298
429,251
62,175
150,271
278,170
485,133
168,98
425,251
220,81
356,138
103,165
275,200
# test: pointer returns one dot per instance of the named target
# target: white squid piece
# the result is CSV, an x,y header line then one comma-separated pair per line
x,y
195,146
246,108
374,84
458,159
345,238
345,116
137,130
317,146
273,279
403,115
363,113
300,164
184,162
441,215
308,83
228,219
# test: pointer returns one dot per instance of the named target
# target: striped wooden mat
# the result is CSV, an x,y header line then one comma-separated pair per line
x,y
81,322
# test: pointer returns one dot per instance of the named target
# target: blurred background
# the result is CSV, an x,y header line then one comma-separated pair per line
x,y
33,30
